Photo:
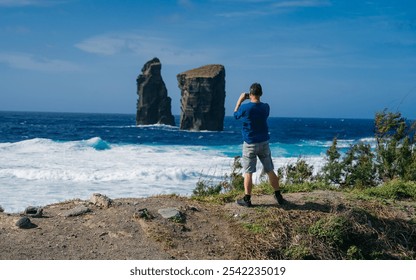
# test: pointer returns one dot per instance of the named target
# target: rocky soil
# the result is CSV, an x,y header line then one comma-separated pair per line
x,y
135,228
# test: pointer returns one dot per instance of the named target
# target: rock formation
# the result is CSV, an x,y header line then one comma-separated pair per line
x,y
202,98
153,104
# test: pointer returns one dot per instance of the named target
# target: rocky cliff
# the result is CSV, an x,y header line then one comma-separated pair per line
x,y
153,104
202,98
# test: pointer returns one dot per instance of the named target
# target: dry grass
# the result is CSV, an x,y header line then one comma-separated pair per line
x,y
328,229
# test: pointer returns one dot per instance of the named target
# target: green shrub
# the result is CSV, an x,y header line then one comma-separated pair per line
x,y
355,169
297,252
332,171
234,181
254,228
297,173
333,230
358,167
263,188
396,189
205,189
223,191
361,166
395,154
354,253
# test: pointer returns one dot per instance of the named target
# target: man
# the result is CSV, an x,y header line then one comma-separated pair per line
x,y
256,142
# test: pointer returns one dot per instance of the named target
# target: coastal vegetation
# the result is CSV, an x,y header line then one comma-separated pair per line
x,y
371,213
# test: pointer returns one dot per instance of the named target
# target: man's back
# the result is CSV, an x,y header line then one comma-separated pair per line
x,y
254,116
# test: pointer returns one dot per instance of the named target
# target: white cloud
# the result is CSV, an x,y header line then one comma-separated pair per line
x,y
104,45
301,4
145,47
243,14
29,62
264,8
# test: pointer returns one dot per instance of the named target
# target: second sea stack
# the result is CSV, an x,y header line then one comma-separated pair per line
x,y
202,98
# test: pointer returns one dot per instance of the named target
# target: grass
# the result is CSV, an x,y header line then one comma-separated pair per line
x,y
363,223
254,228
367,223
367,231
333,230
394,190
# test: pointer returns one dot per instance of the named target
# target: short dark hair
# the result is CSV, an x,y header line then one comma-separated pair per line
x,y
255,89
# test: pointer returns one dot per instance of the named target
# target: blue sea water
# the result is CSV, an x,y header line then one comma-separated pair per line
x,y
51,157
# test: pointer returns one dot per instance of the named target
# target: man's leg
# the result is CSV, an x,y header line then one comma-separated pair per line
x,y
248,183
248,186
274,182
266,159
249,161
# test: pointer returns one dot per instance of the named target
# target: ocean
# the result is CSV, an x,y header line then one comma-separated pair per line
x,y
52,157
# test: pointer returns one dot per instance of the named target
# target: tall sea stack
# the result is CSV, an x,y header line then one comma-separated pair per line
x,y
153,104
202,98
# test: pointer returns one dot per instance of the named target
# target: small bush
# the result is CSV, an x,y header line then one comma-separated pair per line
x,y
234,181
358,167
254,228
393,158
297,252
204,189
333,169
223,191
396,189
263,188
354,253
395,147
297,173
333,230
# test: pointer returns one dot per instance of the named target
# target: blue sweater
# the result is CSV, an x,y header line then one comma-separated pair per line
x,y
254,116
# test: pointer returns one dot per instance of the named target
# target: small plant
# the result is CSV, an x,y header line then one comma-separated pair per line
x,y
356,169
358,166
393,158
205,189
298,252
254,228
180,218
354,253
223,191
396,189
395,147
333,230
297,173
333,169
236,179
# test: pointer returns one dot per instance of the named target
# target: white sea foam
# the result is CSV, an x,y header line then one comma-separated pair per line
x,y
40,171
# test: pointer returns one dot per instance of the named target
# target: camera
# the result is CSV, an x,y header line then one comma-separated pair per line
x,y
247,95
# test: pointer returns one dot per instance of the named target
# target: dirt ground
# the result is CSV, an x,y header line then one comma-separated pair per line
x,y
117,233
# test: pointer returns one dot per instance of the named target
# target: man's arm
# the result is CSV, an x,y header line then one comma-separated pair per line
x,y
240,100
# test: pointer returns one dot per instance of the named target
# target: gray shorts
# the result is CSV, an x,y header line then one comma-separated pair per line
x,y
250,154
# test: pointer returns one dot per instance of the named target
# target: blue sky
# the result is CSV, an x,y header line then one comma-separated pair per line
x,y
314,58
